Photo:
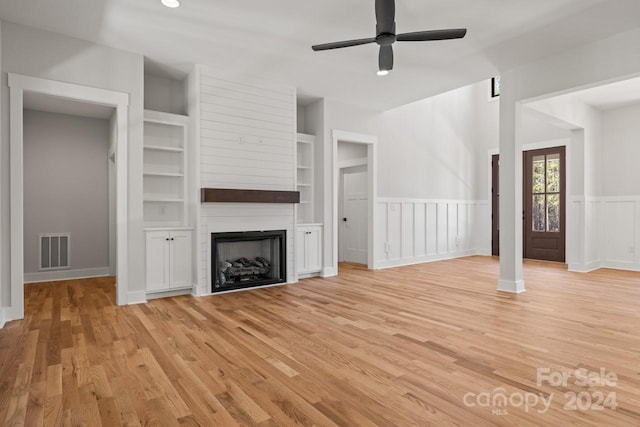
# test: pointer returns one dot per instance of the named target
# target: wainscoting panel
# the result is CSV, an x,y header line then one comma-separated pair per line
x,y
620,240
605,233
413,231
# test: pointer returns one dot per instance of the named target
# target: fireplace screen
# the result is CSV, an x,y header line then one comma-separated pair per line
x,y
247,259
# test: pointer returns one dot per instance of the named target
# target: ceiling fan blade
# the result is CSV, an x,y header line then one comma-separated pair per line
x,y
346,43
423,36
386,16
385,59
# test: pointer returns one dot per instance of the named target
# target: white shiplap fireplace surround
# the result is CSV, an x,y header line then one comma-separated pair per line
x,y
246,134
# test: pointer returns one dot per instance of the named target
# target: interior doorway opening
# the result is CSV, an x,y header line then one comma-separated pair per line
x,y
69,224
353,200
20,85
356,160
544,204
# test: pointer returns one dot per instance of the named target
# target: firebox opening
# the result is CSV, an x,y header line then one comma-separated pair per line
x,y
247,259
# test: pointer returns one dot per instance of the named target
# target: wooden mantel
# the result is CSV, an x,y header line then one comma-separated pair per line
x,y
228,195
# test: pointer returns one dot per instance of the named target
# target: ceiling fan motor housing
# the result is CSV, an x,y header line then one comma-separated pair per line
x,y
385,39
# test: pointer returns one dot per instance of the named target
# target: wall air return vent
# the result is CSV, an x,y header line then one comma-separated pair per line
x,y
54,251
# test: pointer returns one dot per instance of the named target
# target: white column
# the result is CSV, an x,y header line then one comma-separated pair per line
x,y
510,193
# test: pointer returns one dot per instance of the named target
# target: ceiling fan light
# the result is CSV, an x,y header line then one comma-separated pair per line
x,y
171,3
382,72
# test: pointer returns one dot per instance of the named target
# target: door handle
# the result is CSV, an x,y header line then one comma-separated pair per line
x,y
344,219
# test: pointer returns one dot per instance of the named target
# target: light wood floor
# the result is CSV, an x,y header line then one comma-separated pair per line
x,y
397,347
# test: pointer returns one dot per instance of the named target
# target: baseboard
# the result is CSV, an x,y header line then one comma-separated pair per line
x,y
2,321
621,265
58,275
167,294
10,313
380,265
136,297
511,286
309,275
584,268
329,271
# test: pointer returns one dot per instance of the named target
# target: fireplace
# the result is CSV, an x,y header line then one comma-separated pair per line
x,y
248,259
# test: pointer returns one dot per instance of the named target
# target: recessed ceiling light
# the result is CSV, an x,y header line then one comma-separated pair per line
x,y
171,3
383,72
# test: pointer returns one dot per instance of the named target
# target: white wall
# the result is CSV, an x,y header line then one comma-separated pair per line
x,y
66,189
52,56
621,151
605,61
427,154
247,141
351,151
165,94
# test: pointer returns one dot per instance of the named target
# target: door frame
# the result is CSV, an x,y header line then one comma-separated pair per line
x,y
527,233
18,84
569,220
372,180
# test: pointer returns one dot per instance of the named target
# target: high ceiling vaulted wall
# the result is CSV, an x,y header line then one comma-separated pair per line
x,y
273,39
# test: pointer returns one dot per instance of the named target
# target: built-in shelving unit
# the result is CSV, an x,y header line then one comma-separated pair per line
x,y
165,166
304,176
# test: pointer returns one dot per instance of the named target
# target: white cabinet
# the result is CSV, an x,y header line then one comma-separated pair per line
x,y
309,249
168,263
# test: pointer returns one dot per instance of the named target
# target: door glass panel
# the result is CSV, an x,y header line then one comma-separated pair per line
x,y
538,174
539,213
553,213
553,173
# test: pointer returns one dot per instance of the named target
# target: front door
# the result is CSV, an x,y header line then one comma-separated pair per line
x,y
544,204
544,229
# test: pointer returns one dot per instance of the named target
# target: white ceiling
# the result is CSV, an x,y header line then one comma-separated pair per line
x,y
57,104
610,96
273,38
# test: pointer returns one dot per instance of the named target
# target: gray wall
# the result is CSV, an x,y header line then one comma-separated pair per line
x,y
53,56
66,186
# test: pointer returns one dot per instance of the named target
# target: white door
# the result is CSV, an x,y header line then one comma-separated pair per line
x,y
157,251
355,212
180,259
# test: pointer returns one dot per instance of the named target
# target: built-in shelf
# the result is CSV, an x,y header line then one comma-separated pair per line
x,y
169,174
164,171
160,148
162,200
304,176
229,195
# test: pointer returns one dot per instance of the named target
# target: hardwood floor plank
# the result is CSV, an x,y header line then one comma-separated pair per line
x,y
395,347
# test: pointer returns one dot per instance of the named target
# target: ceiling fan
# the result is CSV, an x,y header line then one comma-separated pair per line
x,y
386,36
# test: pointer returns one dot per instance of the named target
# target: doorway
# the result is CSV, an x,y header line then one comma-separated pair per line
x,y
18,86
67,213
364,154
544,204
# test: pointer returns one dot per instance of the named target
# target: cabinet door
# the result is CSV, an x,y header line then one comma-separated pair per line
x,y
301,252
157,260
180,259
314,250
